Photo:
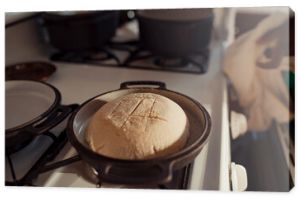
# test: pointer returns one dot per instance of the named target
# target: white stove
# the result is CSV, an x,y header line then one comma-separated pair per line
x,y
211,169
78,82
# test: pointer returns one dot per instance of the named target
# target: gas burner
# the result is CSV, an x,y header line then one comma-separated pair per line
x,y
143,59
170,62
180,179
97,56
130,54
94,57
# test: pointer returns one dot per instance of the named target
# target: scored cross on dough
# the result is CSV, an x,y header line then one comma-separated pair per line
x,y
142,107
138,126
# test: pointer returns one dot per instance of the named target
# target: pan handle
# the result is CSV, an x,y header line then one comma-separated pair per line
x,y
157,173
57,116
158,84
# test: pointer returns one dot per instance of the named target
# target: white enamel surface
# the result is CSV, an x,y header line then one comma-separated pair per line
x,y
25,100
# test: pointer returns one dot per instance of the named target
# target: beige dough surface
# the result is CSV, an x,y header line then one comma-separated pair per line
x,y
138,126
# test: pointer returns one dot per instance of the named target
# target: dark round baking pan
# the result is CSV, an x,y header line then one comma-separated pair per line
x,y
156,170
79,31
175,32
31,108
37,71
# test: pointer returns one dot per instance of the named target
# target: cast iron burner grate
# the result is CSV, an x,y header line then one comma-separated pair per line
x,y
39,166
196,63
91,57
170,62
131,55
180,180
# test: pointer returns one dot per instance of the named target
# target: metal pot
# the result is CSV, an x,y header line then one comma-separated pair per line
x,y
175,32
31,108
157,170
79,31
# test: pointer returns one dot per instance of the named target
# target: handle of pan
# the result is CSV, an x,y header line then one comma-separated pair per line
x,y
131,84
57,116
156,173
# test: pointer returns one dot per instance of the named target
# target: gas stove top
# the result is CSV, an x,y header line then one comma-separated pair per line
x,y
127,52
79,82
51,152
78,79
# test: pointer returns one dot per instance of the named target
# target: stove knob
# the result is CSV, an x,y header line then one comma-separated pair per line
x,y
238,124
238,177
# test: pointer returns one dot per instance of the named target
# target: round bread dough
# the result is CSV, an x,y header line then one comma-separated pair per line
x,y
138,126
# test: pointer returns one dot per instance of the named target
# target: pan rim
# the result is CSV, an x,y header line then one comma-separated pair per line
x,y
198,144
55,103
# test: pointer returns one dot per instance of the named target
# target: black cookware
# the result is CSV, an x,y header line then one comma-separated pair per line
x,y
79,31
175,32
157,170
31,108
